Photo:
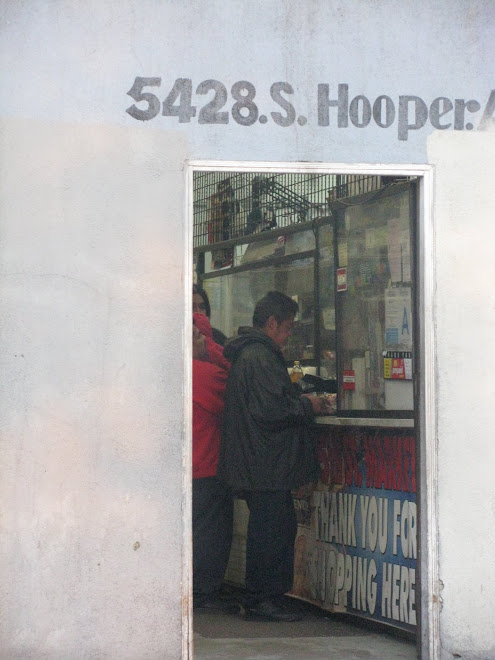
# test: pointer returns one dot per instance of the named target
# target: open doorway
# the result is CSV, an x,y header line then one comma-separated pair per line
x,y
352,246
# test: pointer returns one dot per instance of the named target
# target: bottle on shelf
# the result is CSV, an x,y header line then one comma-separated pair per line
x,y
296,372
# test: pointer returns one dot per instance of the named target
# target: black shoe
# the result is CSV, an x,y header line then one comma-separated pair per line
x,y
215,605
270,611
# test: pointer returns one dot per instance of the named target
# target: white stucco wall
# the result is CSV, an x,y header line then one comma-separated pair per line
x,y
75,61
93,274
465,313
91,391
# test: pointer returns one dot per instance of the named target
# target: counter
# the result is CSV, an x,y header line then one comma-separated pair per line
x,y
333,420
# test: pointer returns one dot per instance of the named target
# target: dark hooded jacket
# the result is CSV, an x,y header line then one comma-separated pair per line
x,y
267,439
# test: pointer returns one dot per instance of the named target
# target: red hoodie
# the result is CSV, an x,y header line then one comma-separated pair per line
x,y
208,389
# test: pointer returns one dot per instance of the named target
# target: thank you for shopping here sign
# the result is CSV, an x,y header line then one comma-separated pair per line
x,y
356,549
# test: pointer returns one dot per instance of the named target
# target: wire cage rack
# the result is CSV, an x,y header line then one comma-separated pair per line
x,y
238,204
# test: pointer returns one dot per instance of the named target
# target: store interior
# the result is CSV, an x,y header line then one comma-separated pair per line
x,y
343,247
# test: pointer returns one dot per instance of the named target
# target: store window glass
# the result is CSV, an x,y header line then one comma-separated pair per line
x,y
326,307
342,247
375,304
234,296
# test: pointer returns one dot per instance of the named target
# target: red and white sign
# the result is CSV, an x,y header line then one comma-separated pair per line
x,y
341,279
349,380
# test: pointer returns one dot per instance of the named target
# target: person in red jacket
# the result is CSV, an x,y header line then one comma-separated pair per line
x,y
212,499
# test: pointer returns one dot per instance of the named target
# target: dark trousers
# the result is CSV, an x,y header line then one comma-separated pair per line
x,y
271,534
212,535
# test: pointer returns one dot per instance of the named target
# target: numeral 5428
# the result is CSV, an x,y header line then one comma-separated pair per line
x,y
178,102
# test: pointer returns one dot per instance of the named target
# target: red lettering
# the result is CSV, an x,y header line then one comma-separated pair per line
x,y
382,466
389,461
331,461
412,460
399,482
336,461
388,451
371,461
352,472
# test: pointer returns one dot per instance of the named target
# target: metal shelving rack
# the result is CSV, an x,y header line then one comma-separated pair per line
x,y
238,205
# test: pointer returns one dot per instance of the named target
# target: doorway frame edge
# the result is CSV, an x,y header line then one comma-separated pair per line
x,y
428,643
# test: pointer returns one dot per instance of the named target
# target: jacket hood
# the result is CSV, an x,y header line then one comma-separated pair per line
x,y
246,337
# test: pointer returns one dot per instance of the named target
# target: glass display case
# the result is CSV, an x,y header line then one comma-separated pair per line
x,y
375,302
283,263
350,269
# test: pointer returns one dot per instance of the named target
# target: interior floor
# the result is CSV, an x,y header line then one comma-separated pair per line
x,y
319,635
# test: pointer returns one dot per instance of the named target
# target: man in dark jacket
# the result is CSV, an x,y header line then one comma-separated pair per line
x,y
267,449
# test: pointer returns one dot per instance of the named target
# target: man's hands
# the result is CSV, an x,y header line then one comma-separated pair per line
x,y
321,404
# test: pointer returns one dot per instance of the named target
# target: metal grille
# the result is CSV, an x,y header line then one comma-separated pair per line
x,y
232,205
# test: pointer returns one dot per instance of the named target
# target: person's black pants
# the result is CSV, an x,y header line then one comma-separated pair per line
x,y
212,535
271,534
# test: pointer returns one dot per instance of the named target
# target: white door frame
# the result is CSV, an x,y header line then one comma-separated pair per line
x,y
429,641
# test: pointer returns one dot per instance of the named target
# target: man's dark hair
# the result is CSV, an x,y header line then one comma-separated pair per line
x,y
274,304
204,295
